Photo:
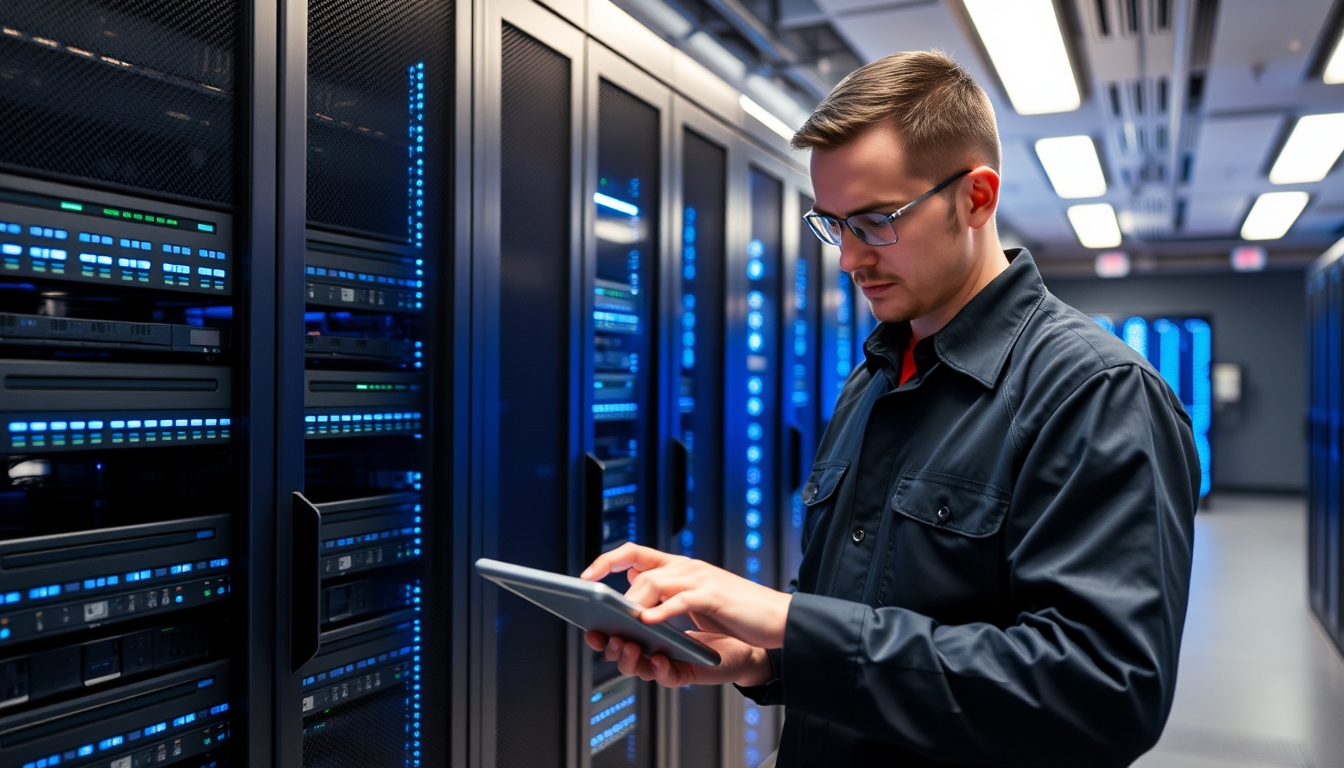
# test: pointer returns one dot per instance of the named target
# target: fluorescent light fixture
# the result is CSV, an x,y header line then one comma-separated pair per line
x,y
620,206
1311,150
1095,225
1112,264
766,117
1027,50
1249,258
1273,215
1073,167
1334,70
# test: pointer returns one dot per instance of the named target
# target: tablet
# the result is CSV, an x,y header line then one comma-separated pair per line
x,y
591,605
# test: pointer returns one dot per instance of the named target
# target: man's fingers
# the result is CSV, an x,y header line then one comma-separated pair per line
x,y
624,557
595,640
613,649
683,602
633,663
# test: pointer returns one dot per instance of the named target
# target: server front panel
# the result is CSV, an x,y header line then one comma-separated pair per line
x,y
700,322
118,367
622,424
380,82
531,457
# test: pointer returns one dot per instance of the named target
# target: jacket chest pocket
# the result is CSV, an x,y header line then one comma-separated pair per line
x,y
953,504
944,547
819,491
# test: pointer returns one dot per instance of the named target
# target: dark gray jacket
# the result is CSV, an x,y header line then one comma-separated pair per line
x,y
1010,588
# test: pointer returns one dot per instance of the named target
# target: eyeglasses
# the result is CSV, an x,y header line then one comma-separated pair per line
x,y
870,228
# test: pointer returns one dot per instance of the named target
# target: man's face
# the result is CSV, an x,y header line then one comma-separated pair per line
x,y
932,258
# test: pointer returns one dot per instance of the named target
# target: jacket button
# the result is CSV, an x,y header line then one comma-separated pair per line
x,y
857,535
944,514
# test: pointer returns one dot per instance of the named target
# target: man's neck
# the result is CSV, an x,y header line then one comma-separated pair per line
x,y
991,262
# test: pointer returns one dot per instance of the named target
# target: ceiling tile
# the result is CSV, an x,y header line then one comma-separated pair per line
x,y
1232,151
1214,215
1253,63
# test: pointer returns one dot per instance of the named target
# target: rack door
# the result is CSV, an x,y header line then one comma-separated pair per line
x,y
625,410
527,276
367,522
697,324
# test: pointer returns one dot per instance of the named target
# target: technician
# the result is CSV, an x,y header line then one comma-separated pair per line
x,y
1000,518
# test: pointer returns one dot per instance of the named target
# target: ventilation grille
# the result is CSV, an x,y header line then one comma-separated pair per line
x,y
364,117
136,93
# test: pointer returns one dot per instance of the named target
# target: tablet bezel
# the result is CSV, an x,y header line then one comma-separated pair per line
x,y
600,608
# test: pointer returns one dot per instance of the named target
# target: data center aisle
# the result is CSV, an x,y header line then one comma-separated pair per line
x,y
1260,684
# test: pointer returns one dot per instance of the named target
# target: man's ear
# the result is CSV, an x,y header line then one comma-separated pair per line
x,y
983,198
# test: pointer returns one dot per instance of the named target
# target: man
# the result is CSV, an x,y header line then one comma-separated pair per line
x,y
1000,517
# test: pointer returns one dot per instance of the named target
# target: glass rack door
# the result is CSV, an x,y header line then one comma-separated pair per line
x,y
625,210
380,87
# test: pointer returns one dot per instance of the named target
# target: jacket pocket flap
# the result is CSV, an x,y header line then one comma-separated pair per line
x,y
953,503
823,481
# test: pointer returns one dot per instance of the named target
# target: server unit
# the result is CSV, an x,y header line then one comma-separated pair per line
x,y
121,636
1325,538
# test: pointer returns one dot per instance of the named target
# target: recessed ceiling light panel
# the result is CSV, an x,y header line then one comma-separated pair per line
x,y
1025,45
1334,69
1311,150
1273,215
1095,225
1072,164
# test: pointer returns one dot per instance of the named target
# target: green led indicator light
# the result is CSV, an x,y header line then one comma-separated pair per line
x,y
361,386
125,214
111,212
205,227
207,593
139,217
172,222
68,206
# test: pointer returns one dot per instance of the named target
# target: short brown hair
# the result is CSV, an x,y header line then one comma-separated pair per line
x,y
944,119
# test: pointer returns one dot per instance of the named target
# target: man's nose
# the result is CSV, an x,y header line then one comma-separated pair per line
x,y
854,253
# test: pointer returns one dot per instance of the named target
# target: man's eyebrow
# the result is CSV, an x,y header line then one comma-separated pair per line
x,y
887,205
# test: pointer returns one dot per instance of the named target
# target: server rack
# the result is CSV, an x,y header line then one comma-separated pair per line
x,y
125,325
1325,537
700,227
528,132
803,344
370,355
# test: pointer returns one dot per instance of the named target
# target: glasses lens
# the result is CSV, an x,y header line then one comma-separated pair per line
x,y
872,228
825,228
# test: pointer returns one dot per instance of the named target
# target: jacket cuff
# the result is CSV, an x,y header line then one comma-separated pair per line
x,y
821,642
771,693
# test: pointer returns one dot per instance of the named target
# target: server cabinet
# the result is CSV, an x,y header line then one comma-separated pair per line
x,y
1325,535
803,380
700,225
837,341
127,622
528,136
369,354
626,406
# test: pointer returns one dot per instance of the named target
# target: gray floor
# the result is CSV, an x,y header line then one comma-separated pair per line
x,y
1260,684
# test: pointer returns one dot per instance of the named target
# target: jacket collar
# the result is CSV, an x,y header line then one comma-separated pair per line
x,y
977,341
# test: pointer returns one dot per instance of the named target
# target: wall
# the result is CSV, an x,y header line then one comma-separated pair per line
x,y
1259,322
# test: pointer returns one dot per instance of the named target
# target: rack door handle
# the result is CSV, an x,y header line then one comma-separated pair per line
x,y
593,507
306,581
681,495
795,458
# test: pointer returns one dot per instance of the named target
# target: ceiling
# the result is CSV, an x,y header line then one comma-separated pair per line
x,y
1249,69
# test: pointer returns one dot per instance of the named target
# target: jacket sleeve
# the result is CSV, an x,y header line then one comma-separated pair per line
x,y
1096,556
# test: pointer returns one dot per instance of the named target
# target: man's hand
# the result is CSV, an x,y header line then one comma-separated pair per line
x,y
740,663
718,601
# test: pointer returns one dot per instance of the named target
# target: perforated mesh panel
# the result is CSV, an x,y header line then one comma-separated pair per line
x,y
134,92
534,346
360,115
369,733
